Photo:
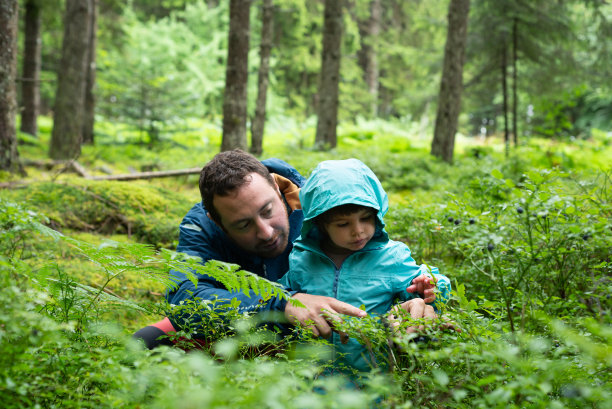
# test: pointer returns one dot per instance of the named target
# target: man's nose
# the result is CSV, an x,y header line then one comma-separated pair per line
x,y
264,230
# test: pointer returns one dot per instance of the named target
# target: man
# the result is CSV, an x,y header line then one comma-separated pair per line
x,y
250,215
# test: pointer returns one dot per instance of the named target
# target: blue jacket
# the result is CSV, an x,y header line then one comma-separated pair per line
x,y
375,276
200,236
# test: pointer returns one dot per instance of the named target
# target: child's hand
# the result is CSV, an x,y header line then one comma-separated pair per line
x,y
423,285
415,309
423,315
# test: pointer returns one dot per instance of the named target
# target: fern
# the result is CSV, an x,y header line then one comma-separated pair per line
x,y
116,258
235,279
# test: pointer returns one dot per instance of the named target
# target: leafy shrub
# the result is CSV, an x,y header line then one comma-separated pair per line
x,y
545,244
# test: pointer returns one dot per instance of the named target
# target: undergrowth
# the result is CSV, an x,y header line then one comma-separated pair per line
x,y
525,242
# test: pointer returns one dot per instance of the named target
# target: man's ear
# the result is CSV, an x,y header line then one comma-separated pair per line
x,y
219,225
280,194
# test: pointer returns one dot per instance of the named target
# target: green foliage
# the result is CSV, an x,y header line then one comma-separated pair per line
x,y
160,64
57,353
68,303
150,213
479,368
534,243
573,114
162,74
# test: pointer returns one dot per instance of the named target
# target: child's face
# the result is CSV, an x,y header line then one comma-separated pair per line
x,y
352,232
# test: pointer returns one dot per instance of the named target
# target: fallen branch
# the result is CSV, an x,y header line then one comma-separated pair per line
x,y
149,175
49,164
80,170
18,184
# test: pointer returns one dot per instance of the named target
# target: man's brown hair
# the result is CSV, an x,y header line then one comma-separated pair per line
x,y
225,173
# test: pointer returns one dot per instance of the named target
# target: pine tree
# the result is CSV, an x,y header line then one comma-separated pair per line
x,y
66,137
9,157
257,126
330,75
30,85
236,77
451,86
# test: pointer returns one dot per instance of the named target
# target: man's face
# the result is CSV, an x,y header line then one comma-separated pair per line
x,y
255,217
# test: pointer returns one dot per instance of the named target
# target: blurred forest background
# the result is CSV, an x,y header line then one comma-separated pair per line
x,y
489,123
155,68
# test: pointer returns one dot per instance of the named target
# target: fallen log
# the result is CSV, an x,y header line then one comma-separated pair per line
x,y
17,184
49,164
149,175
80,170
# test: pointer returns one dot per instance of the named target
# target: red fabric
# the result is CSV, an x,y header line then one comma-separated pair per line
x,y
165,325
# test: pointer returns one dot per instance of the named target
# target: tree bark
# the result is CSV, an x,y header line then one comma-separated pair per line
x,y
514,81
236,76
66,137
30,85
9,157
368,54
504,78
451,86
330,76
90,79
258,124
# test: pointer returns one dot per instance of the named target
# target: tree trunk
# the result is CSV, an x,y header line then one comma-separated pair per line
x,y
451,86
514,81
330,76
504,78
257,126
90,80
236,76
368,54
9,157
66,136
30,85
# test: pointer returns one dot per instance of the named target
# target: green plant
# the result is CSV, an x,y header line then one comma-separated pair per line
x,y
543,244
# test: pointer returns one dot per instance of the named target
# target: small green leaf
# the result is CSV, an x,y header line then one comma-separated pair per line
x,y
441,377
497,174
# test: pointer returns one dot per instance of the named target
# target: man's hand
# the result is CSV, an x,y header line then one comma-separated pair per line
x,y
321,312
424,285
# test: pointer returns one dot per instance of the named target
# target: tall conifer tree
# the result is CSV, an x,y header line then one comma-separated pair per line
x,y
66,137
9,157
451,86
30,86
236,77
330,75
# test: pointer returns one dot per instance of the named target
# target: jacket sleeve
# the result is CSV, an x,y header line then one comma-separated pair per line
x,y
291,285
409,270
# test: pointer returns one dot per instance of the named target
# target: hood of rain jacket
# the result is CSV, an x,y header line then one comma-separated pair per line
x,y
338,182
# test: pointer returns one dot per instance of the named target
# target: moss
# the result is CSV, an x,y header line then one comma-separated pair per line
x,y
152,214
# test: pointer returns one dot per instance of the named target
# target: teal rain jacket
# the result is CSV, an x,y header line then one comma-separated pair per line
x,y
376,276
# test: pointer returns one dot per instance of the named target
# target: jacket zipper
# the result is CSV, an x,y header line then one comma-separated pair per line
x,y
336,279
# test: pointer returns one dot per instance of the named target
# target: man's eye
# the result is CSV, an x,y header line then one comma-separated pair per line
x,y
242,226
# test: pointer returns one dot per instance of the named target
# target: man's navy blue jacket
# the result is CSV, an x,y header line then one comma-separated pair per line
x,y
200,236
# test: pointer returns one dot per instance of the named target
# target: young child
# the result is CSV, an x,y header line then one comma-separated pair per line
x,y
344,251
